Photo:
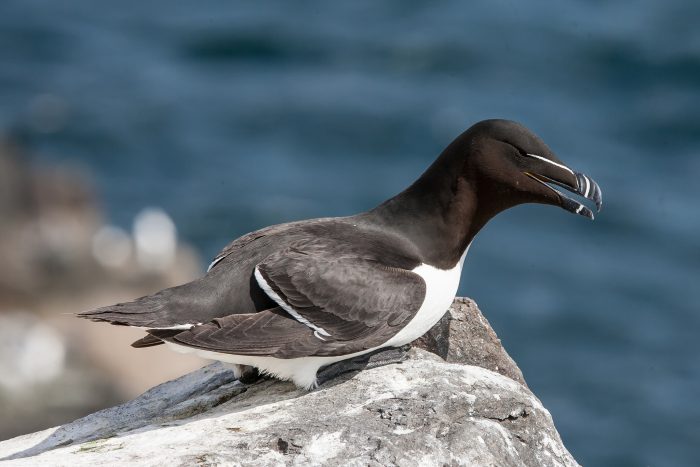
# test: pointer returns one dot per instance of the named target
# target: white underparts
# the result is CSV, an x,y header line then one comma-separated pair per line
x,y
301,371
236,368
440,290
318,331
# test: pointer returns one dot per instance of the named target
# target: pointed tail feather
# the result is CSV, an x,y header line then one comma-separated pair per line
x,y
142,312
180,306
146,341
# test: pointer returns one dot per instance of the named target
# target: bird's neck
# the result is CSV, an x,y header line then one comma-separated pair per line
x,y
440,213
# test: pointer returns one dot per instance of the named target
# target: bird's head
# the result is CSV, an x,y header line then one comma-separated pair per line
x,y
505,158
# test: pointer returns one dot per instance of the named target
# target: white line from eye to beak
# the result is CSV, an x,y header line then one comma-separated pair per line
x,y
578,210
551,162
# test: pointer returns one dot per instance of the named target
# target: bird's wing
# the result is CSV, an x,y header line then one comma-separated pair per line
x,y
237,245
350,300
329,305
267,333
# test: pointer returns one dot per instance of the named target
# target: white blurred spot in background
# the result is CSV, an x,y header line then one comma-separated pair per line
x,y
155,237
111,247
31,352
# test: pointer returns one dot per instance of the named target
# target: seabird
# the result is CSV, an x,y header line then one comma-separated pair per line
x,y
294,298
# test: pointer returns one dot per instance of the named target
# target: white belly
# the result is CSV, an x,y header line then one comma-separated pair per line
x,y
440,290
302,371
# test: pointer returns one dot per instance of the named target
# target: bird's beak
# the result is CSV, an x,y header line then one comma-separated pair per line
x,y
554,173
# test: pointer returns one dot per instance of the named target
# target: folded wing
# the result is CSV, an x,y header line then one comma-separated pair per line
x,y
331,303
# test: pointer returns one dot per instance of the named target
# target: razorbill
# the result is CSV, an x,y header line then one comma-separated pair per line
x,y
292,298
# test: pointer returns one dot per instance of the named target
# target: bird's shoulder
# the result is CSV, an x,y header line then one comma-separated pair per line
x,y
350,236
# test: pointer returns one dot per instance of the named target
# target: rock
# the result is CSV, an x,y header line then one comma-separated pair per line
x,y
42,381
423,411
464,335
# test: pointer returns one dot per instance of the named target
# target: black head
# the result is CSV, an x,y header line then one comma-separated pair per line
x,y
494,165
508,162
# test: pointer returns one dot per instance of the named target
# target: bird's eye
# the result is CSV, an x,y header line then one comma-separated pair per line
x,y
522,152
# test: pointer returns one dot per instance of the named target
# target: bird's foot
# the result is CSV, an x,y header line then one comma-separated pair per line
x,y
380,357
243,373
216,395
249,375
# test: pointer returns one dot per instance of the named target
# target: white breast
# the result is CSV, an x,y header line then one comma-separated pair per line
x,y
440,290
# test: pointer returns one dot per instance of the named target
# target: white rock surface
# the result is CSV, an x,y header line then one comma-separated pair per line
x,y
425,411
420,412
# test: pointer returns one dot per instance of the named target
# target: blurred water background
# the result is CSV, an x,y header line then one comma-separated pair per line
x,y
230,117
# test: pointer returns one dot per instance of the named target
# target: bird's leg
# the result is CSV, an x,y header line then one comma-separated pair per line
x,y
216,394
217,388
380,357
235,368
249,374
243,373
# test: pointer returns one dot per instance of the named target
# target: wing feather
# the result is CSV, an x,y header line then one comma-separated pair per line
x,y
352,298
268,333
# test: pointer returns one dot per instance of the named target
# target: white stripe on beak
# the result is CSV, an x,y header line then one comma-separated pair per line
x,y
551,162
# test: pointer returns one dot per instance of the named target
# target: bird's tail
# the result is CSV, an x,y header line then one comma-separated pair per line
x,y
143,312
147,341
172,308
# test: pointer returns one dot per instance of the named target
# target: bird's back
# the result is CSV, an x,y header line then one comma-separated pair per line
x,y
229,287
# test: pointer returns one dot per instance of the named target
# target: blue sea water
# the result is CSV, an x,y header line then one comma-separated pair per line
x,y
233,116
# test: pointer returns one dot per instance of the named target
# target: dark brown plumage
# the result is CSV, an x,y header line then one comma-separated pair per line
x,y
337,286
